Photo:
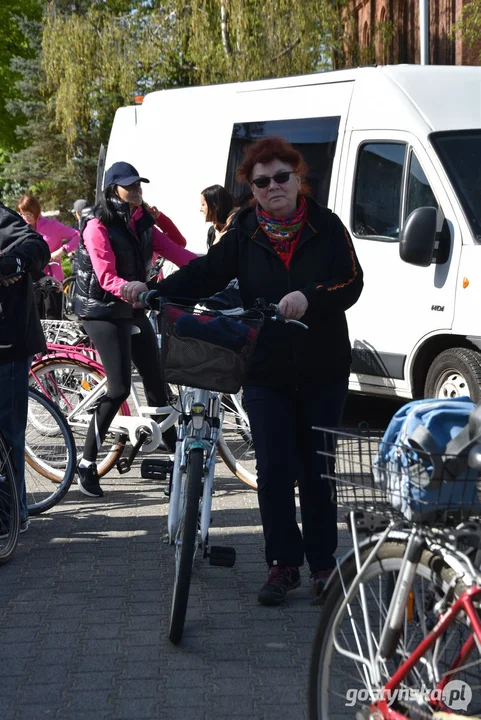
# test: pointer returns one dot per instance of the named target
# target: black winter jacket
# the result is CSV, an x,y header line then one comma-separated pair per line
x,y
20,331
324,267
133,261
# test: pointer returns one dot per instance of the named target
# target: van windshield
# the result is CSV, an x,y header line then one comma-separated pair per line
x,y
460,154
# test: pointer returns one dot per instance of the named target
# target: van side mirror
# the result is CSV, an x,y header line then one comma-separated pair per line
x,y
417,238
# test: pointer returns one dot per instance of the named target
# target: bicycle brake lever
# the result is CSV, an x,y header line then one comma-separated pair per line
x,y
299,323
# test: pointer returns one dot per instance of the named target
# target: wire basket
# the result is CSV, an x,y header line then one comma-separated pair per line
x,y
371,476
206,350
63,332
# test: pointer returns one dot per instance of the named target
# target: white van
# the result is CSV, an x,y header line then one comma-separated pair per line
x,y
396,153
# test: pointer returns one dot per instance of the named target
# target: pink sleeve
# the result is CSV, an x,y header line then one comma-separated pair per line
x,y
64,232
171,229
97,243
162,244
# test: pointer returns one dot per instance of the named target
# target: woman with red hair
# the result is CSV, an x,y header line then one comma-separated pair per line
x,y
291,251
61,240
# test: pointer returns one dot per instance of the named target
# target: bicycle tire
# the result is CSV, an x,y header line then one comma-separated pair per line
x,y
235,442
9,506
41,495
325,671
69,286
185,544
106,463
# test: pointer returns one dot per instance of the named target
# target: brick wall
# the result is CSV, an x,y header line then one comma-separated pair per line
x,y
444,49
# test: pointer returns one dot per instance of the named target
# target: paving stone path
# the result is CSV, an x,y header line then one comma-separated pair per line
x,y
84,611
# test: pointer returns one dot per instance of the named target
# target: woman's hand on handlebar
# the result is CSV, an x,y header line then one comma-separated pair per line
x,y
130,292
293,306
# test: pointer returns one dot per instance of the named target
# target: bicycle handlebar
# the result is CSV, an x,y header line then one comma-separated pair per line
x,y
47,285
153,300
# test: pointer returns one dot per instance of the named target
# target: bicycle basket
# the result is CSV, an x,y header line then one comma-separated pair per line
x,y
206,350
399,488
63,332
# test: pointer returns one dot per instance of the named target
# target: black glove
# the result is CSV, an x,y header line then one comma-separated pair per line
x,y
10,266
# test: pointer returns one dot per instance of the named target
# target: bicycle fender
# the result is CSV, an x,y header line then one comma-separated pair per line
x,y
196,445
401,535
76,355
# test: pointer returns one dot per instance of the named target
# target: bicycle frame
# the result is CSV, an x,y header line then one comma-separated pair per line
x,y
125,423
380,708
463,603
188,438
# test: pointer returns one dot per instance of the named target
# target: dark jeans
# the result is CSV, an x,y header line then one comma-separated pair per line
x,y
286,448
13,419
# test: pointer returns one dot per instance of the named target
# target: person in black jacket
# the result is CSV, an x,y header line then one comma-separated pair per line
x,y
22,252
291,251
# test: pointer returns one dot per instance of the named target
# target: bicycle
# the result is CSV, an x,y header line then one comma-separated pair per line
x,y
75,379
56,463
209,361
9,505
50,454
400,619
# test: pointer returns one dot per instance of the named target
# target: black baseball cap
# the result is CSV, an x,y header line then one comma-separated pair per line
x,y
79,205
122,173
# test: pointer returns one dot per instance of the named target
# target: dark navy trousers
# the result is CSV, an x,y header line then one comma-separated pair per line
x,y
13,419
286,448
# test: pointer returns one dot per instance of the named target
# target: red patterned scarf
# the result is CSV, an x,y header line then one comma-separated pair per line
x,y
283,233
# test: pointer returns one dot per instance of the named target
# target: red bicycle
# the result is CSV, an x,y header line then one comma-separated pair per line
x,y
400,629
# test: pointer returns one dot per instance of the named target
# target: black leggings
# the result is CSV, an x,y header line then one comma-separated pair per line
x,y
118,348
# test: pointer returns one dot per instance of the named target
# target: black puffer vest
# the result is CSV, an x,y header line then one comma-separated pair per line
x,y
133,259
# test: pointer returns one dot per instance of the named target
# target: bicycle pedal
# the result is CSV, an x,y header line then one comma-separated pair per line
x,y
156,469
123,466
222,556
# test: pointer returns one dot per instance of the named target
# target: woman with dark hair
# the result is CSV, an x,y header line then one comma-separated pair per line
x,y
216,204
291,251
117,244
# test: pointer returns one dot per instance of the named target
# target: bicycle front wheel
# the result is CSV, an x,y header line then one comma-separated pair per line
x,y
186,543
340,686
50,454
9,506
68,382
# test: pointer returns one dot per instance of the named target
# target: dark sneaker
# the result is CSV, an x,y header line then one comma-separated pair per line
x,y
319,580
279,581
24,525
88,481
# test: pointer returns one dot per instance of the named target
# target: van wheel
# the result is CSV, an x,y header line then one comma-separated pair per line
x,y
455,372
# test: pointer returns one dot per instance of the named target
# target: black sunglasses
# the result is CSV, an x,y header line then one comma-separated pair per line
x,y
280,178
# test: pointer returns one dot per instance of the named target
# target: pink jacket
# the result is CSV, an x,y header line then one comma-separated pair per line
x,y
97,243
54,233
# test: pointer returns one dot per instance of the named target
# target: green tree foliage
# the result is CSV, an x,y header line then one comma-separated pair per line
x,y
469,24
91,56
41,166
100,59
12,44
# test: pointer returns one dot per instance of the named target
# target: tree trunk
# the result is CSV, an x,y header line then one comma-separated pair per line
x,y
223,26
